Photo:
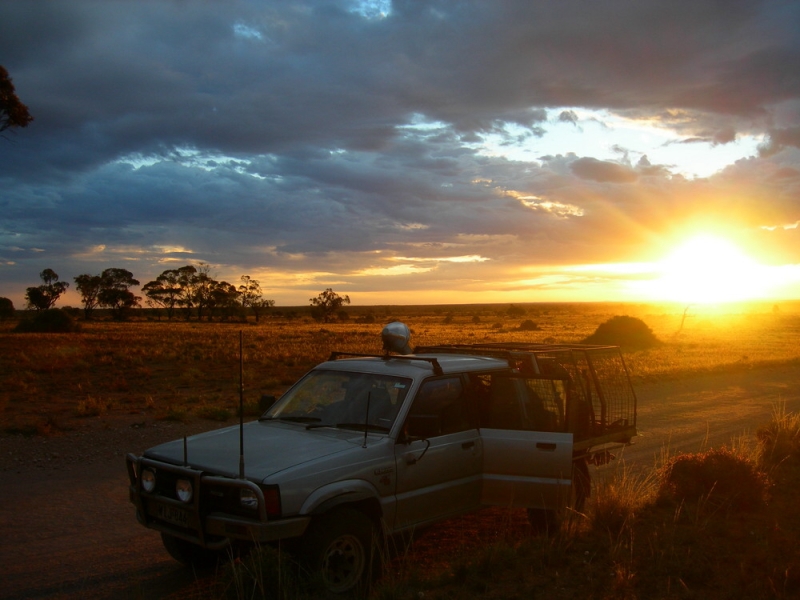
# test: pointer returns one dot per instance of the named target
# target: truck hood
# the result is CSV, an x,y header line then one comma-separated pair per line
x,y
268,448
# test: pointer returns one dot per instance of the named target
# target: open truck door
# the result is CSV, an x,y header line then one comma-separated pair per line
x,y
527,456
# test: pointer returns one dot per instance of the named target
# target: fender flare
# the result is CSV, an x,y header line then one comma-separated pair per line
x,y
329,496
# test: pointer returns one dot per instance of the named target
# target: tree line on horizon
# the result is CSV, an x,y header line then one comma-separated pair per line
x,y
187,290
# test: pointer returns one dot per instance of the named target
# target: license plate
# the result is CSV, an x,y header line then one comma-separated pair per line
x,y
172,515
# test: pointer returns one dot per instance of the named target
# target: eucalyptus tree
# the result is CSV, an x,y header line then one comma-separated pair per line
x,y
167,291
223,300
115,292
46,295
251,296
89,287
13,113
326,304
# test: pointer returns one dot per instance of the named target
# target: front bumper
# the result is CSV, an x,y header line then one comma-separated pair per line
x,y
198,521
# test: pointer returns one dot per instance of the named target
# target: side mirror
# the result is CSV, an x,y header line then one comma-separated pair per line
x,y
422,427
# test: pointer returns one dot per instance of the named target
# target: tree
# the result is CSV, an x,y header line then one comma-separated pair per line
x,y
223,299
186,276
174,288
326,304
46,295
250,296
13,113
167,290
200,286
89,287
115,293
188,287
6,308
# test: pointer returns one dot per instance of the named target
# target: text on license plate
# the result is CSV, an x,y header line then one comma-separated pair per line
x,y
173,515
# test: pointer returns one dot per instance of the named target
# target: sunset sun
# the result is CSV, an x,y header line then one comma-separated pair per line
x,y
708,269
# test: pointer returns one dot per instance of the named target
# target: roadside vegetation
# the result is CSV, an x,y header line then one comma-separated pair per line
x,y
721,523
716,524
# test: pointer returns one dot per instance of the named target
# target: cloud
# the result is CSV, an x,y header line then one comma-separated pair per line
x,y
568,116
603,171
779,139
312,137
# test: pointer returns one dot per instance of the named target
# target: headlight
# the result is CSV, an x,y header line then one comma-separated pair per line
x,y
183,489
248,498
148,480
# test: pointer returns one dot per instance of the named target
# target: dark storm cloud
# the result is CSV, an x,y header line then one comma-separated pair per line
x,y
251,134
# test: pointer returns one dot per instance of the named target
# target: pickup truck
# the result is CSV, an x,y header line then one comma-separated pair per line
x,y
364,447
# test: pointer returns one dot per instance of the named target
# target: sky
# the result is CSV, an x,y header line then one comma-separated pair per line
x,y
408,152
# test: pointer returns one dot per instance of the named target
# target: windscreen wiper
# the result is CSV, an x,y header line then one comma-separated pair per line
x,y
296,419
362,426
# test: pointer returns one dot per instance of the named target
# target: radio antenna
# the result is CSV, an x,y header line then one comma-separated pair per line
x,y
241,406
366,420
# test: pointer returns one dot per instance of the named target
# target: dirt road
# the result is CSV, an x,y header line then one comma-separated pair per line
x,y
68,531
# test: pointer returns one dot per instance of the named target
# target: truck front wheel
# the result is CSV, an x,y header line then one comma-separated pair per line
x,y
339,546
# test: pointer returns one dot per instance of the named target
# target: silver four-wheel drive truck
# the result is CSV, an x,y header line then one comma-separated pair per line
x,y
365,447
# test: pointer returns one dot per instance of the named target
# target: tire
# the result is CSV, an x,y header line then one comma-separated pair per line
x,y
339,548
581,485
543,521
548,521
190,554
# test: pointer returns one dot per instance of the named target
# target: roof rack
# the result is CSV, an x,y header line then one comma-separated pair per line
x,y
437,368
513,347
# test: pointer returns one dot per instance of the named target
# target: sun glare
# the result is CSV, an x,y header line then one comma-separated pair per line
x,y
710,269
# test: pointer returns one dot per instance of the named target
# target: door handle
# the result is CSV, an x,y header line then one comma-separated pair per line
x,y
467,445
548,446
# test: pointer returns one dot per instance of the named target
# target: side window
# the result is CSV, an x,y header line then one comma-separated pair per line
x,y
448,402
505,408
523,404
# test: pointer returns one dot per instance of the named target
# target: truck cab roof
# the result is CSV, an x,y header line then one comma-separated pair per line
x,y
417,365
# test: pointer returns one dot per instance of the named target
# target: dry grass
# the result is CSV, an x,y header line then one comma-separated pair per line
x,y
164,369
631,542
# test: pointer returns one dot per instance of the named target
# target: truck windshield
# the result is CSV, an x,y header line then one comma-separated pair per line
x,y
340,398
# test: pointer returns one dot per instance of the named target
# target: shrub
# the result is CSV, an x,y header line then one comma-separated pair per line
x,y
624,331
515,311
780,438
91,407
52,320
6,309
719,475
529,325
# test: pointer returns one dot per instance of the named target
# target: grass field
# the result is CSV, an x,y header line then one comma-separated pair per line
x,y
183,370
633,543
